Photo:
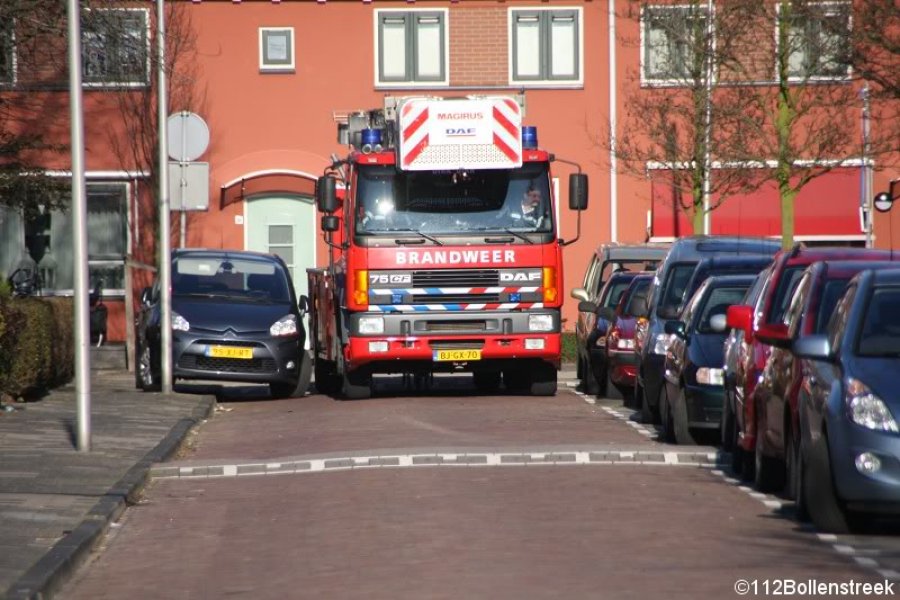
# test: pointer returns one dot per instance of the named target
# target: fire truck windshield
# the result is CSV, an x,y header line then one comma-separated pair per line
x,y
453,202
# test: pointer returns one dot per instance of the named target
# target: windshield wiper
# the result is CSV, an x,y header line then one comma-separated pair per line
x,y
504,230
427,237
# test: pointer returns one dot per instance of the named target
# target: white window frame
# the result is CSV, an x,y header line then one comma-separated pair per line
x,y
270,66
145,81
646,80
835,6
410,81
576,82
12,55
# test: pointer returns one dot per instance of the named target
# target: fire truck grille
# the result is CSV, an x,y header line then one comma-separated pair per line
x,y
454,298
445,326
456,278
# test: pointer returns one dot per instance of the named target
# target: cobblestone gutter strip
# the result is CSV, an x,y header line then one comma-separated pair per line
x,y
443,459
51,571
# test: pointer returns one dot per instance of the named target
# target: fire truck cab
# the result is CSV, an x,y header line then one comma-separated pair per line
x,y
443,253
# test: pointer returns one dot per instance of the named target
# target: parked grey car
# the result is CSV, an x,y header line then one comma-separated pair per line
x,y
849,463
235,317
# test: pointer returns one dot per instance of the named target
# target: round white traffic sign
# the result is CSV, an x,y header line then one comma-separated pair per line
x,y
188,136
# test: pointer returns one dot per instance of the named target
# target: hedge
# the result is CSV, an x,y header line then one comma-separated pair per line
x,y
36,344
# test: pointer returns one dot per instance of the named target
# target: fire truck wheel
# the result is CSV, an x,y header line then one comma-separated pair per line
x,y
516,380
356,386
487,381
543,380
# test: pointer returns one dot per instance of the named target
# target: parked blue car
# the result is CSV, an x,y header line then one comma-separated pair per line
x,y
849,396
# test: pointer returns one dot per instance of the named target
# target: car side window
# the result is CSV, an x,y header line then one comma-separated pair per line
x,y
590,275
794,314
835,328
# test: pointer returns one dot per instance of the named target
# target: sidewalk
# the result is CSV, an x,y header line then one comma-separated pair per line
x,y
56,502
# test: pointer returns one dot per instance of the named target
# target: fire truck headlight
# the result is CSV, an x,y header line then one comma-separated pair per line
x,y
540,322
371,325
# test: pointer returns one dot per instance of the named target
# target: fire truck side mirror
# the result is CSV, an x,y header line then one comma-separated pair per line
x,y
578,191
330,223
326,194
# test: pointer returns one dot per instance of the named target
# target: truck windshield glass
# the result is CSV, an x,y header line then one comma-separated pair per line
x,y
451,202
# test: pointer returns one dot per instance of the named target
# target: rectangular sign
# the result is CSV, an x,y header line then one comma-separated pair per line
x,y
457,355
460,133
230,352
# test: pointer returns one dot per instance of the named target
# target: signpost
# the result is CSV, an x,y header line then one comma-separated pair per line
x,y
188,139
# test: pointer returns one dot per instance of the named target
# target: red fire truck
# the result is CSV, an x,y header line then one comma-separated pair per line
x,y
443,253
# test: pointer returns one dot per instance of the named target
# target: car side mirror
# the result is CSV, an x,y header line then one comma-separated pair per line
x,y
774,335
675,328
740,317
814,347
303,305
587,306
718,323
579,294
146,296
578,191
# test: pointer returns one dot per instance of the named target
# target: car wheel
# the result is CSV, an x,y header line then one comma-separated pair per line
x,y
680,420
794,475
666,432
648,415
148,380
768,471
543,380
590,382
727,427
298,390
818,489
487,382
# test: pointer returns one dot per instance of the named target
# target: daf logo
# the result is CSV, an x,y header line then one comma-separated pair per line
x,y
520,277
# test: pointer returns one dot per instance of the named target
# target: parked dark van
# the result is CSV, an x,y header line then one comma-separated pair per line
x,y
667,294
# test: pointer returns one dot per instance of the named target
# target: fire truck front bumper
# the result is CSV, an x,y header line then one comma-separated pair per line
x,y
453,341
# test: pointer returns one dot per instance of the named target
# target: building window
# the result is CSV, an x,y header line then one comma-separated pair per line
x,y
412,47
670,36
276,49
115,47
7,52
545,46
46,242
818,41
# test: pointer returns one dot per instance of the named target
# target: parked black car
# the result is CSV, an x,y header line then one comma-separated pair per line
x,y
235,317
693,391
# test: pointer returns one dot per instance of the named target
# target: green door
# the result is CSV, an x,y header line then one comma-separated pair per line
x,y
284,225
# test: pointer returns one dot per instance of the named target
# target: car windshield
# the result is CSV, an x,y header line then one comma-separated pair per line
x,y
674,287
226,276
831,293
790,277
880,333
453,202
717,302
614,291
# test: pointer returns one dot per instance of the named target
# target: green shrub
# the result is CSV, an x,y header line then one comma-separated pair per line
x,y
36,346
569,348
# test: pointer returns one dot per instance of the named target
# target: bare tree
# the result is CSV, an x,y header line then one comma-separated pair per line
x,y
686,118
801,121
25,27
875,46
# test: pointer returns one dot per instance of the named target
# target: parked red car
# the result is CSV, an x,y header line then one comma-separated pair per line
x,y
775,396
621,359
769,310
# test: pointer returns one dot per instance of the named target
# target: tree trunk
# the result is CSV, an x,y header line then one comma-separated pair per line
x,y
788,194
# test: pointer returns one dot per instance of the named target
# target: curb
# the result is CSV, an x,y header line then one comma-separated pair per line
x,y
56,567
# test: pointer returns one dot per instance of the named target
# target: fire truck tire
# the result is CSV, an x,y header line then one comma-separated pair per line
x,y
516,380
543,380
487,381
356,386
